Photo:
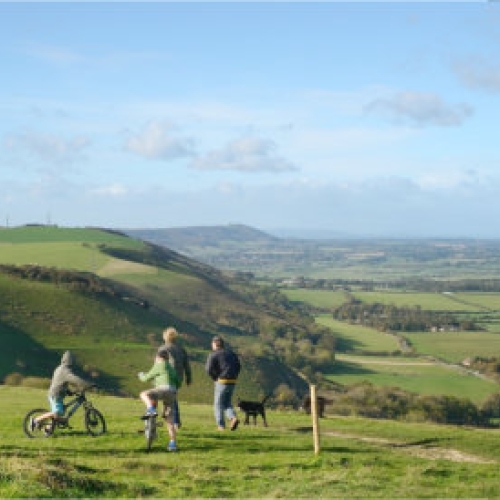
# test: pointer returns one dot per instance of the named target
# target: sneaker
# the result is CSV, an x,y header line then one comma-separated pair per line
x,y
234,423
172,446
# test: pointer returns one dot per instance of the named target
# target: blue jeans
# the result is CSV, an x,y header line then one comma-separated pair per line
x,y
222,403
176,413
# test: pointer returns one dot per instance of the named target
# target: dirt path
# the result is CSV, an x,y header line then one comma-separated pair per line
x,y
419,449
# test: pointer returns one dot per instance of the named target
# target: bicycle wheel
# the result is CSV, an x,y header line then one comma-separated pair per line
x,y
94,422
150,432
42,429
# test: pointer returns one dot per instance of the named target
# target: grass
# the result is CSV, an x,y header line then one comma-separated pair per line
x,y
33,234
355,360
454,347
359,458
324,299
358,338
412,375
427,301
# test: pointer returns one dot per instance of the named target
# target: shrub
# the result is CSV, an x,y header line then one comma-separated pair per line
x,y
13,378
36,382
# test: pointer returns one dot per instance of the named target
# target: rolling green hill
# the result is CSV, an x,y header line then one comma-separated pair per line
x,y
108,297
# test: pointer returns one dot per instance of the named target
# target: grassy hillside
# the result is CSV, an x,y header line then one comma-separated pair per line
x,y
108,297
359,458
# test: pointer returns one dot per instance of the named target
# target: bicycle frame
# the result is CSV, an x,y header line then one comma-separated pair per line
x,y
70,409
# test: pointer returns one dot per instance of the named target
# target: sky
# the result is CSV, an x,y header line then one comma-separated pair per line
x,y
346,118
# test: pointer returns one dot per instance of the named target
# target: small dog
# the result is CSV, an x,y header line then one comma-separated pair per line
x,y
253,409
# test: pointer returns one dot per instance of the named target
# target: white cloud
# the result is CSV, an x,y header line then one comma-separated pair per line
x,y
49,148
158,142
477,73
419,108
247,154
113,190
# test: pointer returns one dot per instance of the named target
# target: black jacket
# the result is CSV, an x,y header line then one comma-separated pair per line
x,y
223,365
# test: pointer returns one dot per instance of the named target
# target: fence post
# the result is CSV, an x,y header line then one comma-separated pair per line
x,y
315,421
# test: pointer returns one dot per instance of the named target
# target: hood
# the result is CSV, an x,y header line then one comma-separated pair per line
x,y
67,359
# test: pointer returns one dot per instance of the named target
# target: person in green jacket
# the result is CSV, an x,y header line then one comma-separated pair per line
x,y
165,383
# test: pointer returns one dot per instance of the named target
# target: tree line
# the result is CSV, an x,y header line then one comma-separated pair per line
x,y
388,317
367,400
406,284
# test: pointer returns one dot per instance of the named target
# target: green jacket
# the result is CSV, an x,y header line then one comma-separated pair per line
x,y
162,374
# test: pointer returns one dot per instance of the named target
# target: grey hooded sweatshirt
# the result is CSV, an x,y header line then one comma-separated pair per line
x,y
63,376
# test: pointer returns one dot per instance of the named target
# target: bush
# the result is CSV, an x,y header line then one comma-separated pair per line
x,y
14,378
36,382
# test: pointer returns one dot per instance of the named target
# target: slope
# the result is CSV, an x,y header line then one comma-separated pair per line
x,y
107,297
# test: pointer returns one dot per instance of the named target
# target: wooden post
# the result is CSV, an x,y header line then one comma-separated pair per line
x,y
315,421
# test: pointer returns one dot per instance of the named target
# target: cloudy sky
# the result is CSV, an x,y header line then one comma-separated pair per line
x,y
354,118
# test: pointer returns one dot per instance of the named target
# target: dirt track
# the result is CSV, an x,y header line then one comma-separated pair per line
x,y
419,449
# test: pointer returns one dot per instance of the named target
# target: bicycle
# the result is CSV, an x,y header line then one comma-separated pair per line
x,y
151,425
150,432
93,419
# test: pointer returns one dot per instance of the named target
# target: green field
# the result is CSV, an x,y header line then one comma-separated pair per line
x,y
324,299
47,234
413,375
484,301
76,249
358,458
355,346
455,347
427,301
358,338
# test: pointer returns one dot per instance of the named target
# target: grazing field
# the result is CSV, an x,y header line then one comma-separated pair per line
x,y
323,299
484,301
358,338
413,375
454,347
426,371
359,458
427,301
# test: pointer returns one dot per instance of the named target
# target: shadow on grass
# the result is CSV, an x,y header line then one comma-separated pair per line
x,y
346,345
422,442
346,368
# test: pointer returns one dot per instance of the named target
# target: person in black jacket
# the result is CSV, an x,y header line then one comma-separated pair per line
x,y
223,367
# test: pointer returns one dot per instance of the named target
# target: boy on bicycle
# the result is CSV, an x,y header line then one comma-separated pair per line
x,y
165,389
62,377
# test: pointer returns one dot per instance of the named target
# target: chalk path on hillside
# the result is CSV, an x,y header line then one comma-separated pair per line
x,y
421,450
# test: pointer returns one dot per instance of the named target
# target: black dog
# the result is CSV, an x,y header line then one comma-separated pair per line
x,y
253,409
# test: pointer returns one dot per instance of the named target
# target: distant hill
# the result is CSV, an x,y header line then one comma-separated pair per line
x,y
107,297
247,250
194,236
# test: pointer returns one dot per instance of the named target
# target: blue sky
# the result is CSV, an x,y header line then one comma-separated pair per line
x,y
353,118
